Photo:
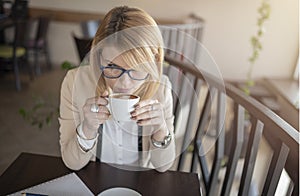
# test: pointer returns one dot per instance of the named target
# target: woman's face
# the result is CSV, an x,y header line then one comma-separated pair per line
x,y
123,84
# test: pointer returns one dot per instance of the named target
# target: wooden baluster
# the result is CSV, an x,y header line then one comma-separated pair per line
x,y
251,154
277,164
236,148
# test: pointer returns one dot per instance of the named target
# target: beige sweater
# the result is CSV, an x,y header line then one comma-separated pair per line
x,y
78,85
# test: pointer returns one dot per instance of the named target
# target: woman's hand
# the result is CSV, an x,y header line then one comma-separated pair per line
x,y
151,113
92,120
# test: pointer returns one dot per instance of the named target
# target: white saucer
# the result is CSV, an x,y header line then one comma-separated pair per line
x,y
116,191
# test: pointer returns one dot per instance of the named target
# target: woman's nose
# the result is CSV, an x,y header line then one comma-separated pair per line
x,y
125,79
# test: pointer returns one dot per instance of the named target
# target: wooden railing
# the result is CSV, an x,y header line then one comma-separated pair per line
x,y
204,104
182,39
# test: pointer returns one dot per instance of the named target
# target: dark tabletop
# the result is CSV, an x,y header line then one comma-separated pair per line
x,y
32,169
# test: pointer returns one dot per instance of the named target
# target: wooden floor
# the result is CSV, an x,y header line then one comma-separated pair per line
x,y
18,135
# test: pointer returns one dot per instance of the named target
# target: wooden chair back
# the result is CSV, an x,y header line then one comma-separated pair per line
x,y
181,39
212,116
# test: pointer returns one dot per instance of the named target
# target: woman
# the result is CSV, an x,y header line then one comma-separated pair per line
x,y
126,57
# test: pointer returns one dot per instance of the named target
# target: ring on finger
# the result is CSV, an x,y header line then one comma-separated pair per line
x,y
94,108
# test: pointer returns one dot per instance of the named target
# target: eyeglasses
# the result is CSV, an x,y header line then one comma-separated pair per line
x,y
113,71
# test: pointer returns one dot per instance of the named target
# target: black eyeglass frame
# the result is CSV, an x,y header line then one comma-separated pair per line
x,y
114,66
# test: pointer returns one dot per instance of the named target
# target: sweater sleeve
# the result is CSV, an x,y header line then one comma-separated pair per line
x,y
162,159
73,156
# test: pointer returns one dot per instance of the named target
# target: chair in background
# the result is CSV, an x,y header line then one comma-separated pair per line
x,y
89,28
83,45
39,44
19,9
5,8
15,54
214,107
181,41
184,38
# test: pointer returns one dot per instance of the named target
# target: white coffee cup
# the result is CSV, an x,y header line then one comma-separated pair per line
x,y
120,105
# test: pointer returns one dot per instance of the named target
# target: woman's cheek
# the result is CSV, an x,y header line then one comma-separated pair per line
x,y
110,83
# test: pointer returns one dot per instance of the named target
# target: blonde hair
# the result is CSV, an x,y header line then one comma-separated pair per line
x,y
137,36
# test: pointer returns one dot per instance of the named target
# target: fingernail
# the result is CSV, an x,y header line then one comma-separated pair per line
x,y
133,118
133,113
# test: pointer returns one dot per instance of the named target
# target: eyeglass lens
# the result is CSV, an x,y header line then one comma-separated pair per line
x,y
116,72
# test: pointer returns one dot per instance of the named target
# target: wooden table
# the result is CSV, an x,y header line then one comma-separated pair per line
x,y
32,169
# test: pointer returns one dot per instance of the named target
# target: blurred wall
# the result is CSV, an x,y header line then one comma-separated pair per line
x,y
229,26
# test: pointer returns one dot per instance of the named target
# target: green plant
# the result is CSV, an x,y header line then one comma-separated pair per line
x,y
43,112
40,114
67,65
264,13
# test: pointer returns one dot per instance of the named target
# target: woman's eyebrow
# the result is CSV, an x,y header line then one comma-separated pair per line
x,y
109,62
112,63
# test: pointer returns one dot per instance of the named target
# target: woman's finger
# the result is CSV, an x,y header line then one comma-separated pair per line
x,y
147,115
97,100
145,103
146,108
103,116
142,110
103,109
98,115
151,121
104,94
101,101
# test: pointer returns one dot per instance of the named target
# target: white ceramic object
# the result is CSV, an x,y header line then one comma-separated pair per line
x,y
120,105
116,191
